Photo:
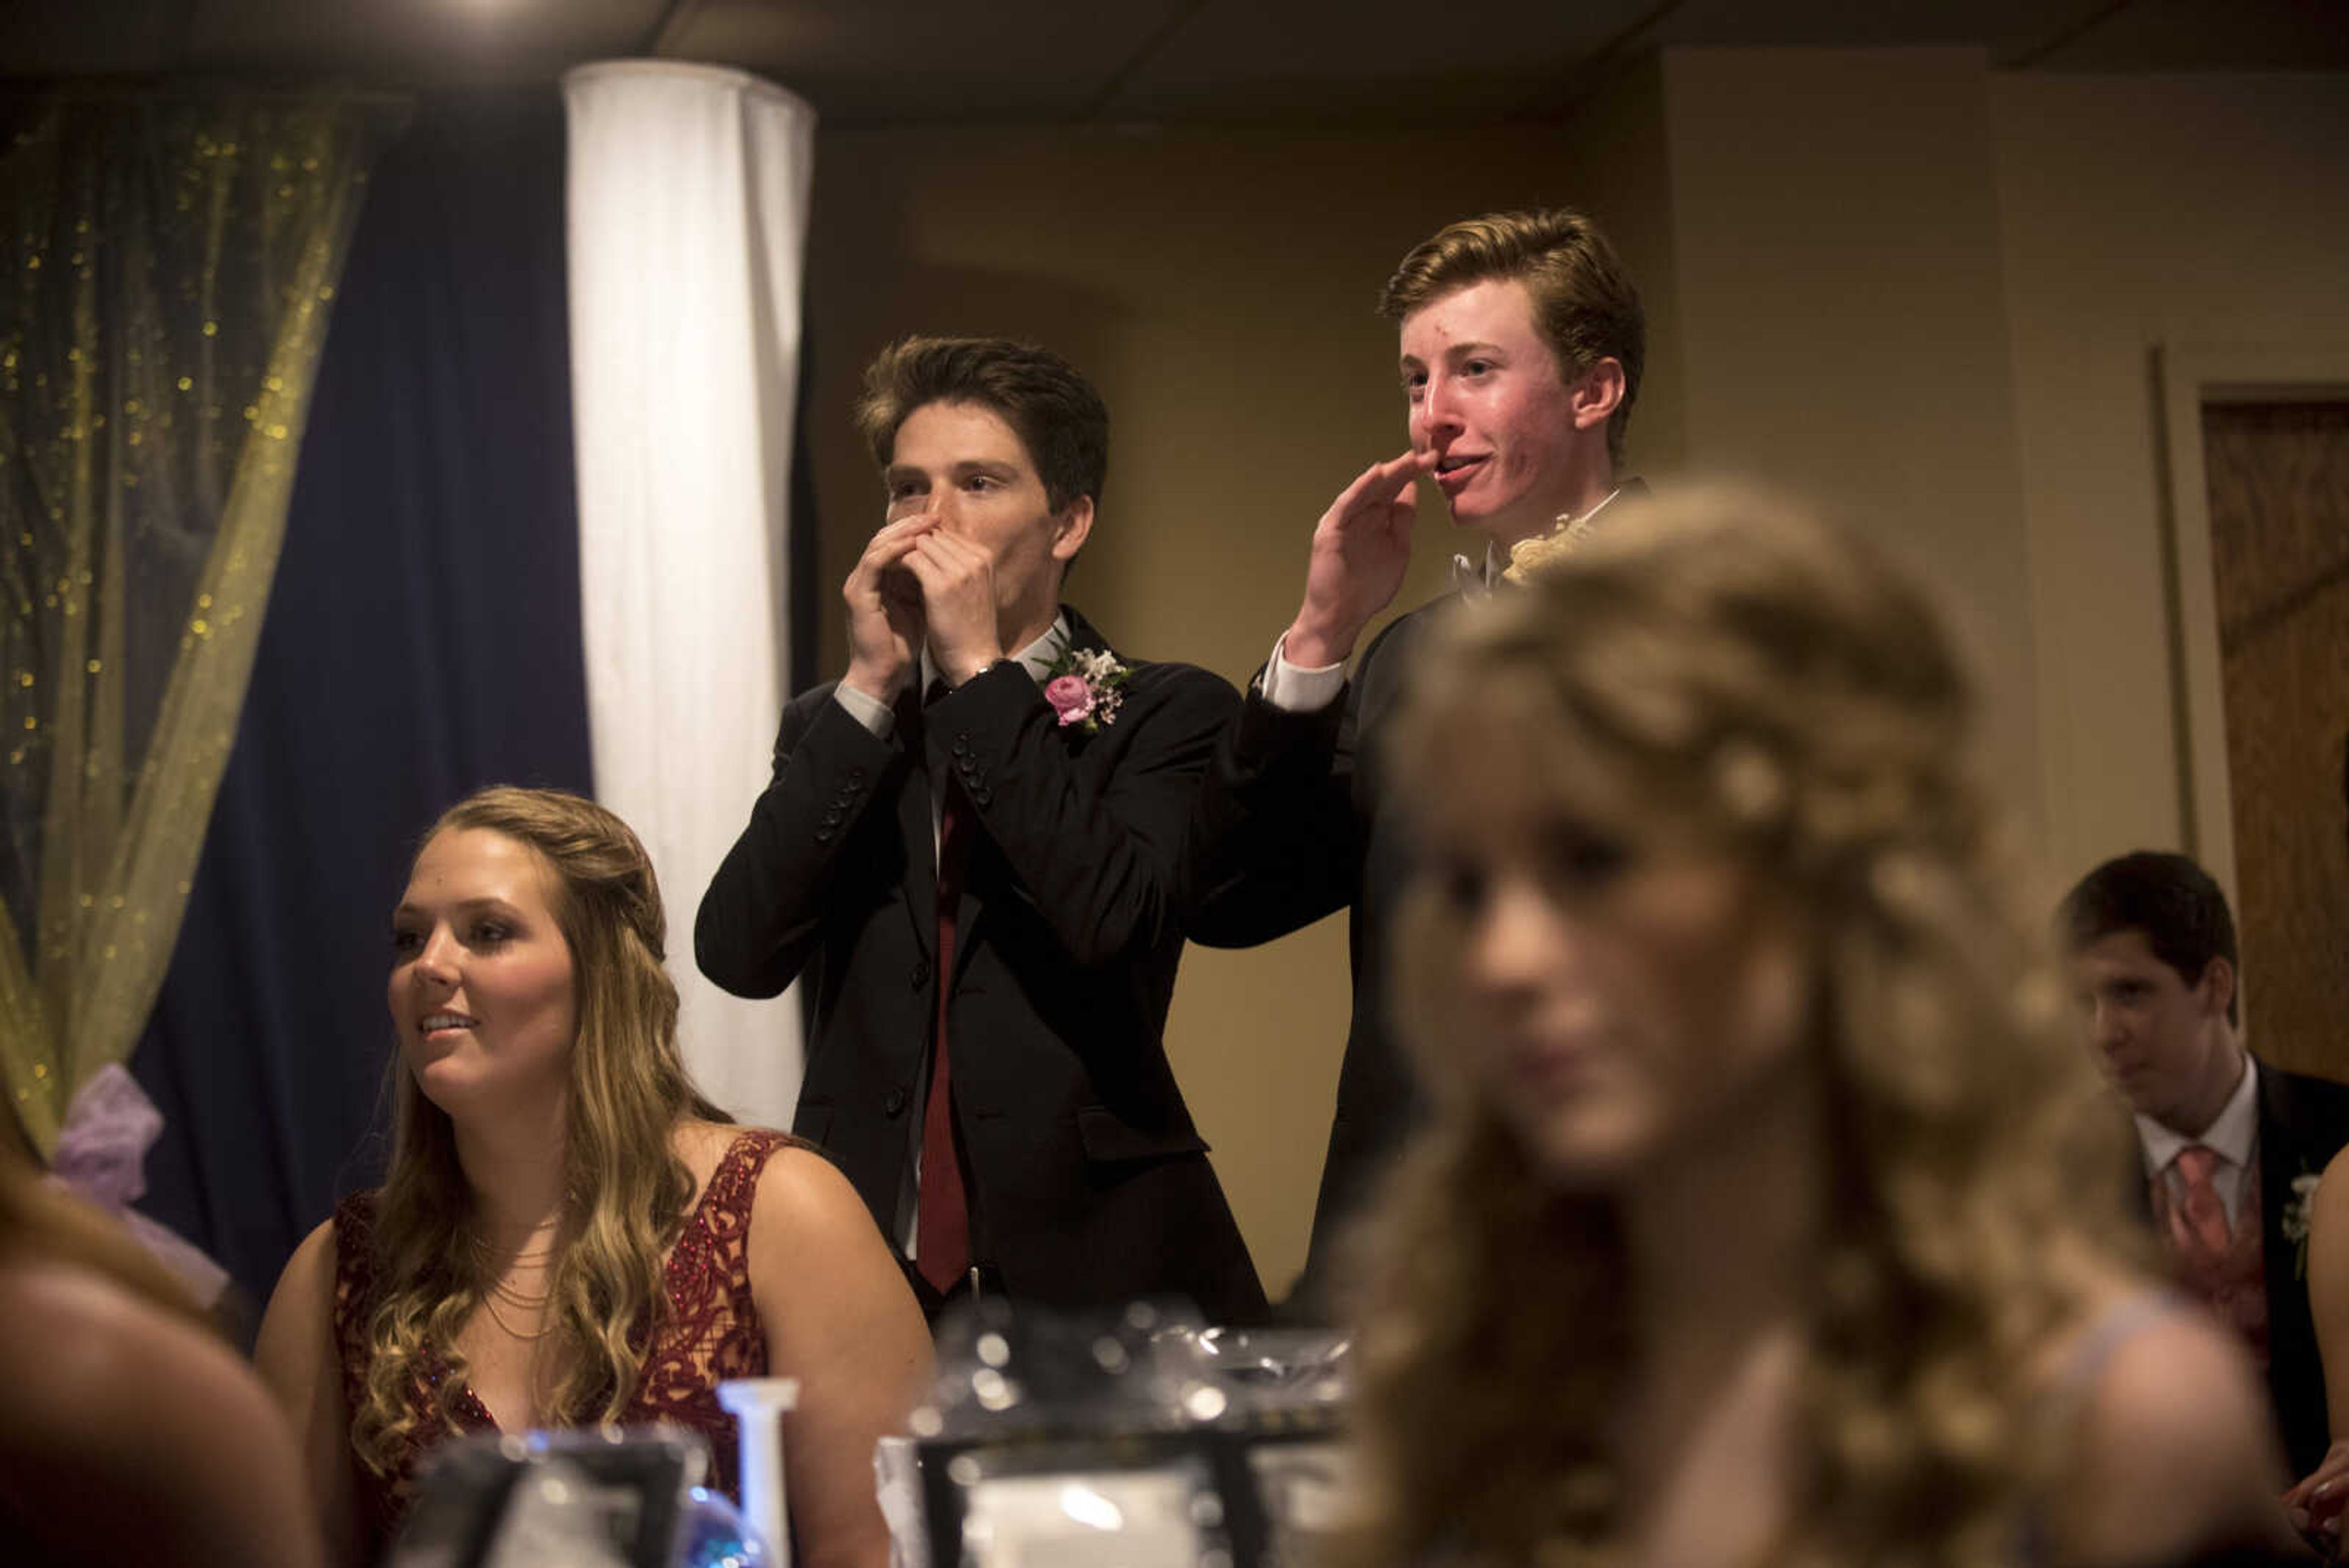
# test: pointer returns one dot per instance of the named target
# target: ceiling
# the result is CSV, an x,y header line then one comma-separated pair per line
x,y
1199,62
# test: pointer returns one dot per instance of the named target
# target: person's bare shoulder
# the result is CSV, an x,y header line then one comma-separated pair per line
x,y
2175,1450
703,1144
313,1256
2328,1210
142,1418
79,1346
814,1243
298,1320
802,1194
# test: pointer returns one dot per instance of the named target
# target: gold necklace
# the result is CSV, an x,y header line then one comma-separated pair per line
x,y
480,1238
515,1298
489,1304
519,1300
518,1258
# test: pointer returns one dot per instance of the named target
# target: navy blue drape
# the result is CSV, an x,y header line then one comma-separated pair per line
x,y
422,640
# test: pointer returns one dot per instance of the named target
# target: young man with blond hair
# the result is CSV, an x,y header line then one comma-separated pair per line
x,y
1522,344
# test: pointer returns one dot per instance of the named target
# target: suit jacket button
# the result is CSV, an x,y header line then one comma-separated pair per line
x,y
921,973
824,835
893,1105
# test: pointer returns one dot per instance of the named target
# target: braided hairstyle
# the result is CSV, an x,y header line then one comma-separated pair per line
x,y
1725,671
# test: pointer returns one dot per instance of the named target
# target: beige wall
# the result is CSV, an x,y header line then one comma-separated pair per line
x,y
1894,279
1838,283
2205,213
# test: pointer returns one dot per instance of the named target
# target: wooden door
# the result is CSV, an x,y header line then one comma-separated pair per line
x,y
2278,493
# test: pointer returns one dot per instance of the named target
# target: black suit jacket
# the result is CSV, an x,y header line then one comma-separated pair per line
x,y
1293,823
1089,1183
2303,1123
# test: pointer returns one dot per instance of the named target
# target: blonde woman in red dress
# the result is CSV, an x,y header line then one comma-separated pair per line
x,y
569,1235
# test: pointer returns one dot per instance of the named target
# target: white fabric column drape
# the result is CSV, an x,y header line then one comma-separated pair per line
x,y
686,211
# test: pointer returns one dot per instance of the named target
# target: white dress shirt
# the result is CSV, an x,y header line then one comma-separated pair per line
x,y
882,720
2234,1136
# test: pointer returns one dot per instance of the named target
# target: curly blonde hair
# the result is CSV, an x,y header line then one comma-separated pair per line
x,y
1723,670
625,1189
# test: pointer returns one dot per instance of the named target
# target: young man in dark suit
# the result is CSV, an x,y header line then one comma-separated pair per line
x,y
969,843
2227,1140
1522,345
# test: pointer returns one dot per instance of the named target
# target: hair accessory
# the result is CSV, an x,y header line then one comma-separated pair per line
x,y
1749,781
1898,880
102,1155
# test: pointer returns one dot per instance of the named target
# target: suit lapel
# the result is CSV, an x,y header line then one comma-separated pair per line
x,y
2291,1371
1083,636
984,867
915,832
2282,1156
979,859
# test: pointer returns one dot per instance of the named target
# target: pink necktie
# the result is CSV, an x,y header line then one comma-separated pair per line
x,y
2198,1222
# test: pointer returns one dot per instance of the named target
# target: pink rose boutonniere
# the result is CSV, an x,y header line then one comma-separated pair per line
x,y
1084,687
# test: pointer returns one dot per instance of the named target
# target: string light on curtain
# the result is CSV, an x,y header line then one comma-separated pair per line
x,y
164,290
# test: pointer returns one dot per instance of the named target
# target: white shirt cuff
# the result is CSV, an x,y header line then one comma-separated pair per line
x,y
1297,689
869,711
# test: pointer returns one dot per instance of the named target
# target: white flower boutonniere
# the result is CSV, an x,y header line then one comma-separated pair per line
x,y
2294,1221
1529,557
1084,687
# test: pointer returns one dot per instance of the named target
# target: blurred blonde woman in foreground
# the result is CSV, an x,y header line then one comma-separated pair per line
x,y
1763,1217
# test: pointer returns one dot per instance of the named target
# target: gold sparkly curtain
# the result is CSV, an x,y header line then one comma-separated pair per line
x,y
166,276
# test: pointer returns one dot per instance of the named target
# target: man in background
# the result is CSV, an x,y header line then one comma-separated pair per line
x,y
2230,1143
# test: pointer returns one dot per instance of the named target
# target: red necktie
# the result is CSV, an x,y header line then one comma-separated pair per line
x,y
942,1220
2198,1221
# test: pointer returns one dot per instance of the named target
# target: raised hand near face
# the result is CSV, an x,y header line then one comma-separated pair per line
x,y
886,620
1361,548
959,599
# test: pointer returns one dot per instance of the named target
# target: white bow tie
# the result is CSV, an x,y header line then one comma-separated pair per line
x,y
1469,578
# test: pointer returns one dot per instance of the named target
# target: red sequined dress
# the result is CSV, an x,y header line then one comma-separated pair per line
x,y
708,1333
